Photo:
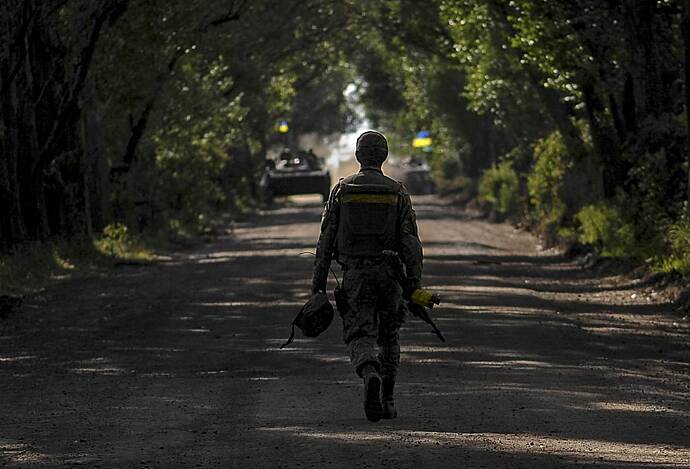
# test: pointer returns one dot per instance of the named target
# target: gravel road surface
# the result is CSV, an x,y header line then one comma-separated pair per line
x,y
177,364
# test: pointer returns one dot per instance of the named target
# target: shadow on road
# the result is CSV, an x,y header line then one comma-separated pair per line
x,y
179,363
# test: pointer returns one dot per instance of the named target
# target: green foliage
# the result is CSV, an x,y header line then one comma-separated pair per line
x,y
26,268
500,187
461,188
215,83
545,183
29,268
179,106
678,257
449,166
182,176
657,177
603,226
118,243
324,97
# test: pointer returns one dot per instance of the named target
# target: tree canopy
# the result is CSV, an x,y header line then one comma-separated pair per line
x,y
160,113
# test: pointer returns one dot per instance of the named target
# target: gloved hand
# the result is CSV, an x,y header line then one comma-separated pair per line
x,y
410,285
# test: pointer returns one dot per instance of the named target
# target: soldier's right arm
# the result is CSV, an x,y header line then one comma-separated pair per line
x,y
325,248
410,245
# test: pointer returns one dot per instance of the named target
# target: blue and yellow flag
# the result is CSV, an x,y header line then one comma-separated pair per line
x,y
283,127
422,140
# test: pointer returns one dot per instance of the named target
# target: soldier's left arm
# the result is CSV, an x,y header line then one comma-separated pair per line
x,y
325,247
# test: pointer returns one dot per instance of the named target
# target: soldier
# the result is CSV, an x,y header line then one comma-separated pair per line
x,y
366,214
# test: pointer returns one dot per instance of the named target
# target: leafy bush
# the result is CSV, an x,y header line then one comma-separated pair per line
x,y
462,188
545,183
500,187
29,267
678,258
118,242
603,226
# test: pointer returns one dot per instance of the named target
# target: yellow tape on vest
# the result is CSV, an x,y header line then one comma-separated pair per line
x,y
389,199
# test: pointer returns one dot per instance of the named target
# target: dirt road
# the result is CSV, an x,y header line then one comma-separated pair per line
x,y
177,364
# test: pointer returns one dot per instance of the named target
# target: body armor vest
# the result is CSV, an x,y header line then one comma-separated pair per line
x,y
368,219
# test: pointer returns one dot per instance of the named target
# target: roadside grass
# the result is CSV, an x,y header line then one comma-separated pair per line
x,y
31,267
677,258
118,243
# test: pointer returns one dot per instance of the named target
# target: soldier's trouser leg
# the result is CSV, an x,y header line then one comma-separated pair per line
x,y
389,356
391,318
374,317
363,352
360,322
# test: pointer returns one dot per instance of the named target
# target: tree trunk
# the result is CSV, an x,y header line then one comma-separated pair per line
x,y
86,172
101,213
603,138
557,111
686,43
645,63
138,127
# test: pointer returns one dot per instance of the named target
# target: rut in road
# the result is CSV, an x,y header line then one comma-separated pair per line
x,y
177,364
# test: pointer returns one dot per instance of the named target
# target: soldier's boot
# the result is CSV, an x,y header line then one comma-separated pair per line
x,y
388,401
372,393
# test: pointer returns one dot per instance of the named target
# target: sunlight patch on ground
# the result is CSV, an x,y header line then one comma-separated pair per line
x,y
213,372
614,329
232,304
21,453
482,389
525,364
434,349
636,407
221,256
305,199
526,443
102,370
514,311
441,361
17,358
147,349
332,359
298,348
100,366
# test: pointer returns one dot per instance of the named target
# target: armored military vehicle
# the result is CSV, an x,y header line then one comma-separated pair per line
x,y
295,172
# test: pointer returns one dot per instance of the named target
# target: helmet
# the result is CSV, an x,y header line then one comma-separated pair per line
x,y
314,317
372,147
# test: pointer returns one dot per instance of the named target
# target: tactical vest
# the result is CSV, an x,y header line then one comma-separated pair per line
x,y
368,219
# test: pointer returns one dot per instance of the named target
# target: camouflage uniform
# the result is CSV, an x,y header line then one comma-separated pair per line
x,y
373,296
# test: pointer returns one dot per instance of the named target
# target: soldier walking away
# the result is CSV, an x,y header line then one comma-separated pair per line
x,y
366,214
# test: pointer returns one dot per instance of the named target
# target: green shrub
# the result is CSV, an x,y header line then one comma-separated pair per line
x,y
462,188
500,187
118,242
545,183
602,226
28,268
449,166
678,245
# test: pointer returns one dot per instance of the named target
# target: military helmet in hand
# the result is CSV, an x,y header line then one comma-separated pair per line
x,y
314,317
